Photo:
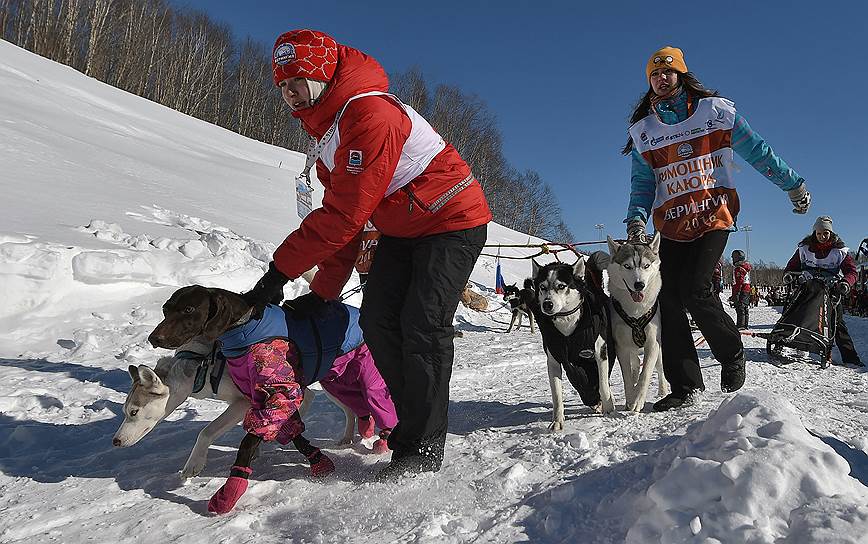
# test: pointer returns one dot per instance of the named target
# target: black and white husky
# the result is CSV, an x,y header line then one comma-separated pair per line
x,y
634,284
520,302
573,320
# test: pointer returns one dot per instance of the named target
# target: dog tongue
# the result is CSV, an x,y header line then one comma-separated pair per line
x,y
637,297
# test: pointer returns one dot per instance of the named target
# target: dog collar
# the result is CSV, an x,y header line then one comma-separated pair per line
x,y
564,314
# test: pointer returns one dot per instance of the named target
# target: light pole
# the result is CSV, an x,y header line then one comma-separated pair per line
x,y
746,229
600,227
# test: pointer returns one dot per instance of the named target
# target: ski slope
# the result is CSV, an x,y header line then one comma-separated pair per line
x,y
111,202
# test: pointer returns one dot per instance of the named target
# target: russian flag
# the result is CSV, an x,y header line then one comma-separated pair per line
x,y
498,280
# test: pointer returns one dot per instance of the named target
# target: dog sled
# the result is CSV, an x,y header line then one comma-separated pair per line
x,y
807,323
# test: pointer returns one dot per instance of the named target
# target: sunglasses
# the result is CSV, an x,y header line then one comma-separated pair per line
x,y
667,59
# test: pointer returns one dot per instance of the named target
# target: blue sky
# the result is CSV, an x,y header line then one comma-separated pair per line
x,y
563,77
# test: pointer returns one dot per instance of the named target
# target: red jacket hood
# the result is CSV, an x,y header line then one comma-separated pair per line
x,y
356,73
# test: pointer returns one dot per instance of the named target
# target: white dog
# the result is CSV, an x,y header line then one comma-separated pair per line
x,y
157,393
634,284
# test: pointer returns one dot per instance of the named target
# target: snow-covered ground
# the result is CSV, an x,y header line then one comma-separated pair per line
x,y
111,202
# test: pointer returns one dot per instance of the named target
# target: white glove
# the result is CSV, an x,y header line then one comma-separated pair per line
x,y
801,198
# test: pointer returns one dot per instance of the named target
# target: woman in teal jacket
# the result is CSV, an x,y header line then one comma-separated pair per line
x,y
682,138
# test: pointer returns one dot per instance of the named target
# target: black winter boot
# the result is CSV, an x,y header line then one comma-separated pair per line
x,y
732,375
675,400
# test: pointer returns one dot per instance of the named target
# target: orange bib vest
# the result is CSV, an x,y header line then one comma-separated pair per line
x,y
693,169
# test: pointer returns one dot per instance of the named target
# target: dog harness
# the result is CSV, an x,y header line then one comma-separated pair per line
x,y
216,362
318,340
637,324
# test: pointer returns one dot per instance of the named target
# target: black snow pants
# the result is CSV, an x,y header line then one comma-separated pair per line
x,y
686,269
843,340
742,309
413,290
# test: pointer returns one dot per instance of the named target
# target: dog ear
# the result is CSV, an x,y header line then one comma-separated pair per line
x,y
220,315
535,267
579,269
134,373
613,245
655,242
150,381
227,307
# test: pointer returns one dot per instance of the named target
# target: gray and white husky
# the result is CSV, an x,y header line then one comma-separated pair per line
x,y
634,284
157,392
574,341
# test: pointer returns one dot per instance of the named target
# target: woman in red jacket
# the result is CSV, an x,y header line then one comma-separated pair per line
x,y
381,161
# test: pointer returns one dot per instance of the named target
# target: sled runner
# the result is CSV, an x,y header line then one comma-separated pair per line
x,y
807,323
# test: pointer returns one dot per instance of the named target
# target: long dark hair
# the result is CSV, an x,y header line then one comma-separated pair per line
x,y
686,81
811,240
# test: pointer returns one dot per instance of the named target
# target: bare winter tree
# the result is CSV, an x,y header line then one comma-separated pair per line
x,y
183,59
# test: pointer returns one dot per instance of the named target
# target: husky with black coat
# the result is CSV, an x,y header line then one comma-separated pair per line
x,y
520,302
574,322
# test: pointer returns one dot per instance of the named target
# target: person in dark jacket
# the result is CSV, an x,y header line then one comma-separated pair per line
x,y
380,161
823,253
681,145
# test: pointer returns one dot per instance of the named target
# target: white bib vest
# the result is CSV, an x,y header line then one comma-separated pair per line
x,y
831,263
419,150
693,168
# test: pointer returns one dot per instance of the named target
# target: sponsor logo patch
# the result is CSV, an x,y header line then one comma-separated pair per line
x,y
284,54
655,141
685,150
586,354
354,163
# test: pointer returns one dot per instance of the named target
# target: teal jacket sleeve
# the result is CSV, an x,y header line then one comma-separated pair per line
x,y
751,147
642,188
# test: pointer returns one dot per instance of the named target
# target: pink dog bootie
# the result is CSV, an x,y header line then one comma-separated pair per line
x,y
366,426
224,500
381,445
320,465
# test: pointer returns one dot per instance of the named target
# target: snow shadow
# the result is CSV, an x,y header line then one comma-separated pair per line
x,y
596,506
116,379
465,417
51,453
857,459
464,324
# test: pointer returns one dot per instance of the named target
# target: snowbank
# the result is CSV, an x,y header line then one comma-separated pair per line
x,y
751,472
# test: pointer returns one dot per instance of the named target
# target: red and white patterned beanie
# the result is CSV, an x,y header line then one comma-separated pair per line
x,y
304,53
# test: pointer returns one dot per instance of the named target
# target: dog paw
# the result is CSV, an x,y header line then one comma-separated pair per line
x,y
637,405
191,470
557,426
607,406
344,442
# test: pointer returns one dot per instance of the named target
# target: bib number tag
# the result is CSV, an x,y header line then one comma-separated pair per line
x,y
303,197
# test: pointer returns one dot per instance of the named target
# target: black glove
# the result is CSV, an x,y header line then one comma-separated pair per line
x,y
801,198
636,231
268,290
307,305
841,288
